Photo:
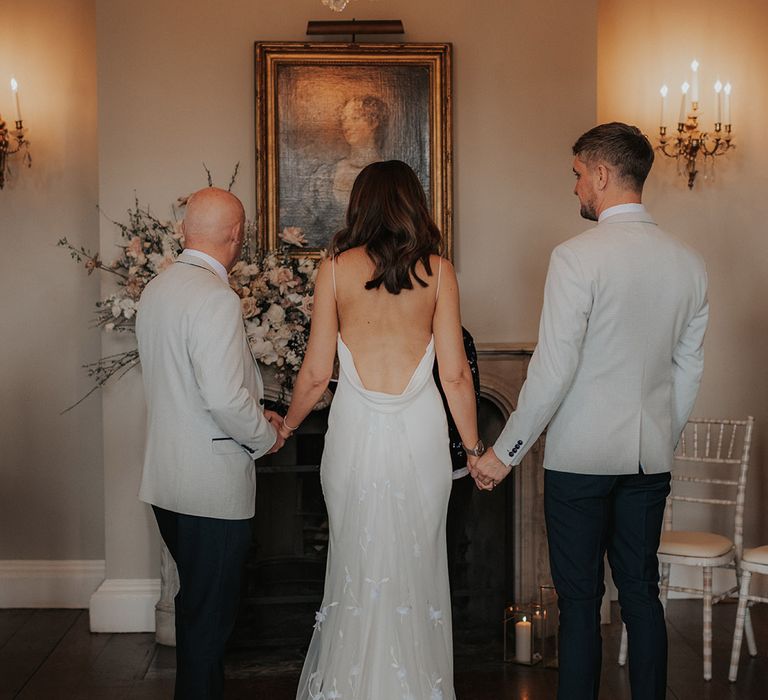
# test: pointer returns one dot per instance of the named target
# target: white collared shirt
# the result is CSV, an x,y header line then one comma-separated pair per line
x,y
221,271
633,208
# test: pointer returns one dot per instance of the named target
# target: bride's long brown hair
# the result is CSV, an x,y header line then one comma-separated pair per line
x,y
388,215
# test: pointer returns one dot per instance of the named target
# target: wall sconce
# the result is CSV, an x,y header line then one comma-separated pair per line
x,y
12,142
690,143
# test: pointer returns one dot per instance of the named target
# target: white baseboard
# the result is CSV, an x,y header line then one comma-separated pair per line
x,y
68,583
125,605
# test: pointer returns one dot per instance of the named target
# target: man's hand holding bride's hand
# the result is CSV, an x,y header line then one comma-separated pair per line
x,y
472,465
277,423
488,471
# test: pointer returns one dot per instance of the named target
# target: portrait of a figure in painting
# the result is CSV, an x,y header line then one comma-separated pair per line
x,y
333,121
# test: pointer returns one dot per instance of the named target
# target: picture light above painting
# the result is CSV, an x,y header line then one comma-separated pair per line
x,y
325,111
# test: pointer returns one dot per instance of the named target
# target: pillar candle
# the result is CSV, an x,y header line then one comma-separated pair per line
x,y
15,88
684,88
664,90
727,91
694,81
523,641
719,95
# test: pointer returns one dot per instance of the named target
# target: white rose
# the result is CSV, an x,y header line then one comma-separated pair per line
x,y
306,266
128,307
263,351
275,315
256,330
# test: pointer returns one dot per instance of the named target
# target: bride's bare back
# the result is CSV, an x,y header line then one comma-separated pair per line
x,y
387,334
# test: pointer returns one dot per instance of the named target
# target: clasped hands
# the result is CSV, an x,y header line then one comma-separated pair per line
x,y
487,470
276,420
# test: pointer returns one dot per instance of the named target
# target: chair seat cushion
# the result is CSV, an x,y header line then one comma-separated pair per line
x,y
684,543
758,555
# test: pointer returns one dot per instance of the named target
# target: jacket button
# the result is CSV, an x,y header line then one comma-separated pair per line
x,y
511,454
261,402
519,443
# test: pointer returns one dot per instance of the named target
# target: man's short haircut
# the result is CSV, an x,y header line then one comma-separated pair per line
x,y
619,145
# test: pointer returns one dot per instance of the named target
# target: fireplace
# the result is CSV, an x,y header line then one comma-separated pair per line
x,y
492,543
496,541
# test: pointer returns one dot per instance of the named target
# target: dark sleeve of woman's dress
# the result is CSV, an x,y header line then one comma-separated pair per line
x,y
458,455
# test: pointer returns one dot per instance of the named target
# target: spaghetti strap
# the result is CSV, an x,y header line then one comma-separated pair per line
x,y
439,271
333,269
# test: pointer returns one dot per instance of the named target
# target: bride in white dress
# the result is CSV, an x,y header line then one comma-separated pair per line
x,y
388,304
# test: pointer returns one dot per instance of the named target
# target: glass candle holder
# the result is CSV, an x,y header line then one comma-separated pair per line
x,y
549,627
522,633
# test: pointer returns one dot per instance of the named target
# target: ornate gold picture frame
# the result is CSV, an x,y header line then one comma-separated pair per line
x,y
324,111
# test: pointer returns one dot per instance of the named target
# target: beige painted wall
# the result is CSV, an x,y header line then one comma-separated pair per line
x,y
175,89
51,477
640,47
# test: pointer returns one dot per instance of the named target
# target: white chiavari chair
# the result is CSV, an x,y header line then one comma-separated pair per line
x,y
712,446
753,561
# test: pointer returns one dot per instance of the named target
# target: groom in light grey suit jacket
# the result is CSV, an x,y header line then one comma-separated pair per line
x,y
615,375
205,426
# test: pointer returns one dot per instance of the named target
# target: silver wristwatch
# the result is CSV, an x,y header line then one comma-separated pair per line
x,y
477,450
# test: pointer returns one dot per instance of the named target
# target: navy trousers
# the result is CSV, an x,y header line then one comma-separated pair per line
x,y
586,516
209,555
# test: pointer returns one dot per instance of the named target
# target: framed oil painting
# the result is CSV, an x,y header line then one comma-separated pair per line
x,y
325,111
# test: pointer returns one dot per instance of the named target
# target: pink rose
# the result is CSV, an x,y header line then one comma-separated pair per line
x,y
292,235
134,250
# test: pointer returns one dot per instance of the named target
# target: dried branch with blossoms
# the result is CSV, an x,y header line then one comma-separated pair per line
x,y
276,292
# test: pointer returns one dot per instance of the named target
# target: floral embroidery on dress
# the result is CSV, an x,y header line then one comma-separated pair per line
x,y
376,587
314,687
402,675
436,693
365,541
435,616
322,614
334,694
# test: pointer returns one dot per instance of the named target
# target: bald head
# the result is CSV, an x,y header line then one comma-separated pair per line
x,y
213,224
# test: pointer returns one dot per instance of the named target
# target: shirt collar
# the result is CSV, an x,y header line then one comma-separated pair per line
x,y
220,270
633,208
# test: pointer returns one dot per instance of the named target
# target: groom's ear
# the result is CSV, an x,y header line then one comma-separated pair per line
x,y
602,174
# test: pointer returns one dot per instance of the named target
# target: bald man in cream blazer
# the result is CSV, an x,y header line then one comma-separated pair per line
x,y
615,375
205,426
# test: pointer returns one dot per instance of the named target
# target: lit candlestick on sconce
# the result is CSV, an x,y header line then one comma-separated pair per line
x,y
692,143
663,92
15,88
694,81
719,96
523,641
683,98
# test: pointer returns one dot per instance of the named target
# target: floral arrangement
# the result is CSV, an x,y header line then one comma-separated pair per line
x,y
276,292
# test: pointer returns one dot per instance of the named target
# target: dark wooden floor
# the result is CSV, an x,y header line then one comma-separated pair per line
x,y
51,655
